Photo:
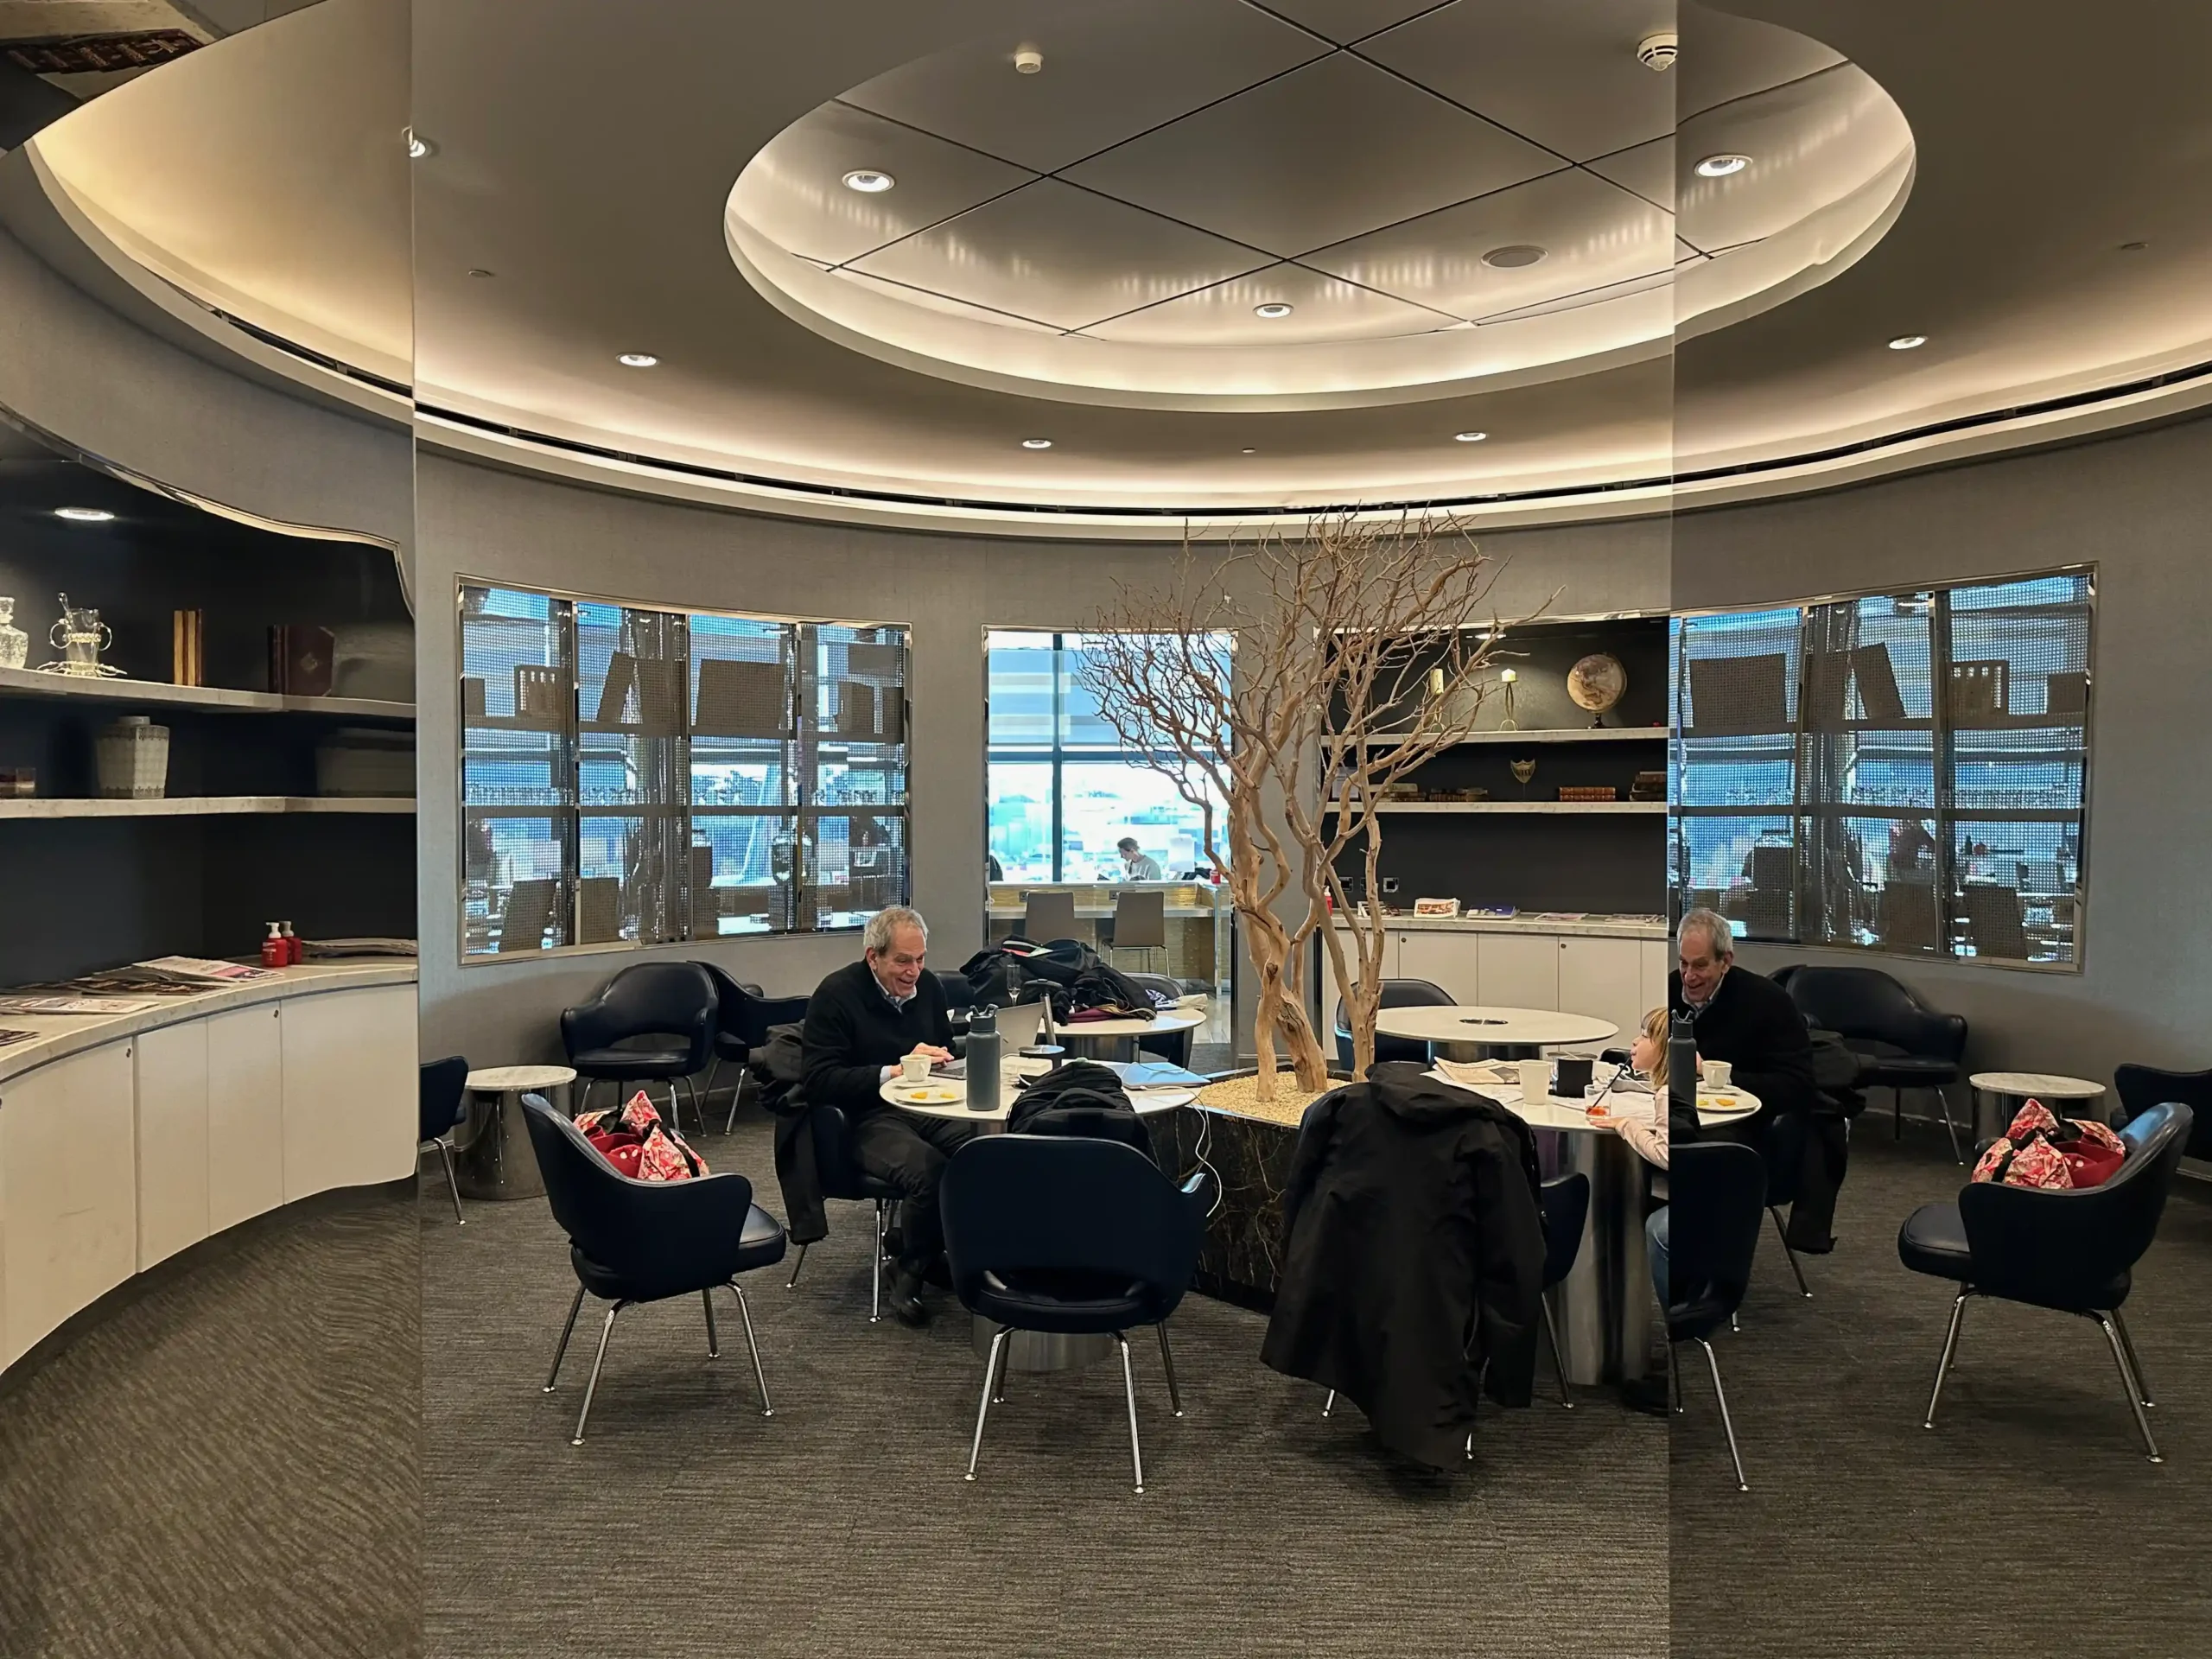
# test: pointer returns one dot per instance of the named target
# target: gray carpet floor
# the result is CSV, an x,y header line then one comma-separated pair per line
x,y
2027,1522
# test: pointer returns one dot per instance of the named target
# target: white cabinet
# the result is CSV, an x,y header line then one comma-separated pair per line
x,y
1451,960
245,1115
67,1157
1518,970
351,1088
1602,978
172,1116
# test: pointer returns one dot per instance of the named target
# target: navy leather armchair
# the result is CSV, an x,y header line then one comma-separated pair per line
x,y
666,1012
1901,1042
1396,994
742,1016
2142,1087
1716,1190
632,1241
841,1177
1565,1205
1072,1237
2070,1251
444,1082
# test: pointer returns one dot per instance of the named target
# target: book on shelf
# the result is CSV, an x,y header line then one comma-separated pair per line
x,y
301,659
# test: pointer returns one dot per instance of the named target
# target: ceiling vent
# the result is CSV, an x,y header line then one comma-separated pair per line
x,y
1658,52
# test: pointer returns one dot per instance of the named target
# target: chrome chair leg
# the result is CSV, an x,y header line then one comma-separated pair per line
x,y
598,1360
1780,1233
2134,1361
554,1375
984,1409
875,1293
792,1283
1129,1389
444,1144
2127,1382
1559,1362
752,1343
1167,1364
713,1343
1728,1422
1950,1348
1005,1366
1329,1404
1944,1099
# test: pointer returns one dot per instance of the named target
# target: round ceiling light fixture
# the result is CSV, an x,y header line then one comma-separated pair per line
x,y
1027,60
1272,311
1469,437
636,359
1036,444
1908,342
417,145
868,181
1719,167
1515,256
85,515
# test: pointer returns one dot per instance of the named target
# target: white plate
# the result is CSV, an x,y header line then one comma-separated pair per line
x,y
1733,1105
927,1097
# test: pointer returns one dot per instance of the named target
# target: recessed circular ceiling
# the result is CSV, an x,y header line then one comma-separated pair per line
x,y
1364,227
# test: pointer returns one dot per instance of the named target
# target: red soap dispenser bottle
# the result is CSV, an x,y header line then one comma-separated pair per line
x,y
274,951
294,951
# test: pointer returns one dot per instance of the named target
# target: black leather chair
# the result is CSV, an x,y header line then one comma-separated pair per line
x,y
742,1016
2142,1087
2070,1251
1171,1045
841,1177
1072,1237
1783,1153
444,1081
1396,994
1901,1042
675,1001
958,993
1716,1190
1565,1205
632,1241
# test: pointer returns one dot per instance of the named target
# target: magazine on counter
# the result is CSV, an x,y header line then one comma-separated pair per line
x,y
75,1005
205,970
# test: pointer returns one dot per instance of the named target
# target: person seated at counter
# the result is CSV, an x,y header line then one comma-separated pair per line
x,y
1743,1018
860,1022
1137,865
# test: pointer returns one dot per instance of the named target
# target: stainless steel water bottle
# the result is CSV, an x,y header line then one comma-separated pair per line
x,y
983,1048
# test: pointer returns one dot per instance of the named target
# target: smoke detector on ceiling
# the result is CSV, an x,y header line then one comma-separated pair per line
x,y
1658,52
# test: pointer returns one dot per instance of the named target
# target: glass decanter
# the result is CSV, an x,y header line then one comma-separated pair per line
x,y
15,644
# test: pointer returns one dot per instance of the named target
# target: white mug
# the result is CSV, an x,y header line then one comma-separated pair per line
x,y
1536,1079
914,1068
1715,1073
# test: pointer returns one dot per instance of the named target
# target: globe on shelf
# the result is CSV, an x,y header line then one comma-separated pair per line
x,y
1596,683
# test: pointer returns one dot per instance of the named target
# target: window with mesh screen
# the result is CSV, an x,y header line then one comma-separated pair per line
x,y
1735,767
853,774
518,771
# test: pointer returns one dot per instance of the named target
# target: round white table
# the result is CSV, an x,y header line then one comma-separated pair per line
x,y
1116,1039
1462,1031
1995,1093
492,1157
1603,1308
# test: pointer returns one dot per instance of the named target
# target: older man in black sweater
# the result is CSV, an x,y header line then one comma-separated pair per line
x,y
1745,1019
861,1020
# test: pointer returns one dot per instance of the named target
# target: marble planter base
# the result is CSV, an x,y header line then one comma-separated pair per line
x,y
1240,1260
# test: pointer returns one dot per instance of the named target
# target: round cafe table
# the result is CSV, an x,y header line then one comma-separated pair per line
x,y
1027,1351
1116,1039
1997,1095
491,1152
1469,1032
1604,1306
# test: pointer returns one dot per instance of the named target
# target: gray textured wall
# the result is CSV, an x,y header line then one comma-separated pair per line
x,y
482,522
2141,506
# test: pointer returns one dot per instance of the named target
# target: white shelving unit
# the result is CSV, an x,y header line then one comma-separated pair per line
x,y
189,806
28,682
1617,807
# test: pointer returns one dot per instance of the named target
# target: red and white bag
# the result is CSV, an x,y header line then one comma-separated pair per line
x,y
2041,1149
635,1143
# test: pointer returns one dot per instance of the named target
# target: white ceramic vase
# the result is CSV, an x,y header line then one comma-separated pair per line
x,y
132,758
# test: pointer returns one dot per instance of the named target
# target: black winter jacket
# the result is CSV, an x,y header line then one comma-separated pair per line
x,y
1413,1255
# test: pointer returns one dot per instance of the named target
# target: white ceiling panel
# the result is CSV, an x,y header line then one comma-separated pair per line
x,y
1060,255
1726,57
1564,73
1643,285
1811,141
1322,153
1648,170
1346,21
1108,74
794,190
1593,233
1322,307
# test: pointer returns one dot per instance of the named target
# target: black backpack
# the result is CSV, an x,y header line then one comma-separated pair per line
x,y
1101,987
1082,1098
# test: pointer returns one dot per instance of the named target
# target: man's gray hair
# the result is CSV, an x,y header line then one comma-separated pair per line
x,y
1719,938
885,923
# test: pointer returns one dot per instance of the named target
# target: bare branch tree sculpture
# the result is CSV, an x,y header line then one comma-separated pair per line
x,y
1358,656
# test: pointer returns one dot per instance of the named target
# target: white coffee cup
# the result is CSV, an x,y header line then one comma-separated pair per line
x,y
914,1068
1715,1073
1536,1079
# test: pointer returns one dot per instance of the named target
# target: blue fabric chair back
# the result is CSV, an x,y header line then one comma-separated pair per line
x,y
1566,1206
1396,994
658,1238
1716,1192
652,999
2142,1087
1021,1204
444,1081
2068,1250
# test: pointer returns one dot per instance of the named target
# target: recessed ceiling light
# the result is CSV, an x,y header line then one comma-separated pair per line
x,y
868,181
1036,444
1908,342
1517,257
479,271
417,145
1029,60
1271,310
636,359
1469,437
1719,167
1251,452
84,515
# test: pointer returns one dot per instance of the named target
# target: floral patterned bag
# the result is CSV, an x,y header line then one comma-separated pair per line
x,y
2041,1149
635,1144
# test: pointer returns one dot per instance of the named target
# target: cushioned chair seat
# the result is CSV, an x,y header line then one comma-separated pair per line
x,y
1055,1305
627,1063
1885,1065
1934,1241
760,1245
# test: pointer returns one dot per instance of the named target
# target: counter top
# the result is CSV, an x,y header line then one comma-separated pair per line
x,y
1590,927
63,1034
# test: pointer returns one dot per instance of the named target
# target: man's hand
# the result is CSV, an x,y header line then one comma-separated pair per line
x,y
936,1056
